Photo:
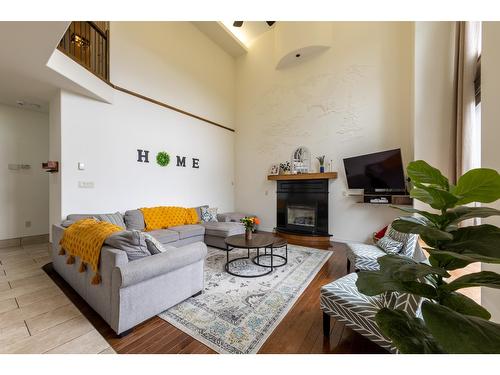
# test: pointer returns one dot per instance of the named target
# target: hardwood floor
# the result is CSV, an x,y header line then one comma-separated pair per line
x,y
299,332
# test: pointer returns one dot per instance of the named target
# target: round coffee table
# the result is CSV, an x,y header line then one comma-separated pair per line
x,y
258,241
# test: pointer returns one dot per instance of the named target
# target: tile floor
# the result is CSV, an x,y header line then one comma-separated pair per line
x,y
35,316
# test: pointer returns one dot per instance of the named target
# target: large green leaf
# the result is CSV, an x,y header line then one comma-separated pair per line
x,y
484,278
458,214
421,172
451,260
464,305
461,334
407,333
433,218
436,198
397,274
478,185
482,239
411,225
447,260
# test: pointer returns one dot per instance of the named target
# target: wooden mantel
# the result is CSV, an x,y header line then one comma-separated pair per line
x,y
304,176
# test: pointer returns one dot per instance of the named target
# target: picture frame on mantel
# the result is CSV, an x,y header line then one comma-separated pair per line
x,y
274,170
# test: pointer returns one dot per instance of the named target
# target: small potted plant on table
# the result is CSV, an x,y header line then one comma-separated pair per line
x,y
250,222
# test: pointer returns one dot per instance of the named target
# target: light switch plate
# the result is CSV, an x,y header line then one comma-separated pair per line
x,y
81,166
86,184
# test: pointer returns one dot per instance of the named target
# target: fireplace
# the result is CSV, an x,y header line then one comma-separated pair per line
x,y
302,207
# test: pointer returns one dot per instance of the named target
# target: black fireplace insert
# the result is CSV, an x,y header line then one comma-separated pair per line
x,y
302,207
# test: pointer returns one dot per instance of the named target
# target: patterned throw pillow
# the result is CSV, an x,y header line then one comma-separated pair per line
x,y
208,214
154,246
389,245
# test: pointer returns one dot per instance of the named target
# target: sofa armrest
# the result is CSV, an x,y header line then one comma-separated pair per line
x,y
159,264
231,217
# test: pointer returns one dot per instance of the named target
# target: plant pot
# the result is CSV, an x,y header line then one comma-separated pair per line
x,y
322,169
248,234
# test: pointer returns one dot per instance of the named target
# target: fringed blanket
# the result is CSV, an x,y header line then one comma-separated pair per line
x,y
84,240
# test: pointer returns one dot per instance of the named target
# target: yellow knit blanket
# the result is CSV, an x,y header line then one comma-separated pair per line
x,y
165,216
84,239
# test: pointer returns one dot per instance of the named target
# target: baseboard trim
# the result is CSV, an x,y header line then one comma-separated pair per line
x,y
23,241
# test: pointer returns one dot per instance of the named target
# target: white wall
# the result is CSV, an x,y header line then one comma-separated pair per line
x,y
176,63
55,186
355,98
106,138
24,139
171,62
433,78
490,136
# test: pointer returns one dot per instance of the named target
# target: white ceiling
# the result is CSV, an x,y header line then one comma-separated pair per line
x,y
249,31
24,75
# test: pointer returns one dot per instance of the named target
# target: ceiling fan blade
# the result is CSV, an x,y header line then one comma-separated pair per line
x,y
237,23
270,23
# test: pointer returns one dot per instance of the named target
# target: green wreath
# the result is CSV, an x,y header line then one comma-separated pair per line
x,y
162,158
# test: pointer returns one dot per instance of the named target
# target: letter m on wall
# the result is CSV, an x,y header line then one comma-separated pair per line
x,y
181,161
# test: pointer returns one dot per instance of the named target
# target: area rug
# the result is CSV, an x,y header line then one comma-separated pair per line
x,y
237,315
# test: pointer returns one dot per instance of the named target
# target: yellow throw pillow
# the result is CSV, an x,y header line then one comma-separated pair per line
x,y
192,216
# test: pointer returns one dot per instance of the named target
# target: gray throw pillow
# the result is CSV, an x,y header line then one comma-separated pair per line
x,y
389,245
154,246
132,242
116,218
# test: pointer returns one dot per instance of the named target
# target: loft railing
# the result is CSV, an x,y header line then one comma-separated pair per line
x,y
87,42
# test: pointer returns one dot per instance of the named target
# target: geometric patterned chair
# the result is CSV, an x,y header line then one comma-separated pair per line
x,y
364,257
342,300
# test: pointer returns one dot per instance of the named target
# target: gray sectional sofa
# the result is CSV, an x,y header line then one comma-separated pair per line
x,y
131,292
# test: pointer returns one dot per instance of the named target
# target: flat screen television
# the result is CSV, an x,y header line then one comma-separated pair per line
x,y
376,173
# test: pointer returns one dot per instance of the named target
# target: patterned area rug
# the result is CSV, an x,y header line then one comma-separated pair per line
x,y
237,315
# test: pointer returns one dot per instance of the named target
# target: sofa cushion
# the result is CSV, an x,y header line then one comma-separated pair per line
x,y
116,218
187,231
218,229
131,241
165,235
134,219
76,217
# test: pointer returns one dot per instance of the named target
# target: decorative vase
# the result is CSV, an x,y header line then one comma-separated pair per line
x,y
321,169
248,234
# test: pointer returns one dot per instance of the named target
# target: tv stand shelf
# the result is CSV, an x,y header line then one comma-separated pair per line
x,y
392,199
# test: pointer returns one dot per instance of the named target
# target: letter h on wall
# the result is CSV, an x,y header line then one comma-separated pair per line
x,y
143,156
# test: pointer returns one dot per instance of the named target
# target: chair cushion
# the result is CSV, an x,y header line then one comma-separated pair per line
x,y
218,229
116,218
364,257
342,300
187,231
134,219
409,241
165,235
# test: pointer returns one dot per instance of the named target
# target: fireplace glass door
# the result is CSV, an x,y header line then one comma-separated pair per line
x,y
301,215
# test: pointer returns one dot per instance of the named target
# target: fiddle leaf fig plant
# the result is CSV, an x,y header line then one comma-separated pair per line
x,y
450,322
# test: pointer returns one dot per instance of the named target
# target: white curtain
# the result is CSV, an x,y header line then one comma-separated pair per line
x,y
468,130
